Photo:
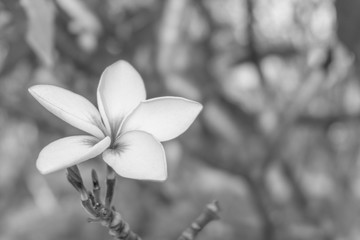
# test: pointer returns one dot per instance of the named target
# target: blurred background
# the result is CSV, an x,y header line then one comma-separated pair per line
x,y
277,142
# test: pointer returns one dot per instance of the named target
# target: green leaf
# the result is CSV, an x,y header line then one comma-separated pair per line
x,y
40,31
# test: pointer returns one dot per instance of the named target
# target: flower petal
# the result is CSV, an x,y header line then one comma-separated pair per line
x,y
138,155
165,117
70,107
120,90
69,151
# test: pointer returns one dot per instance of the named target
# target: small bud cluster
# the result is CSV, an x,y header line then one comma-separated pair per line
x,y
101,212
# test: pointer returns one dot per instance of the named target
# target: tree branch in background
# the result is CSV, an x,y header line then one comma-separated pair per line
x,y
169,34
210,213
254,56
236,165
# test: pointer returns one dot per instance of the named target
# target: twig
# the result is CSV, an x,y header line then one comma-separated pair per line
x,y
256,188
210,213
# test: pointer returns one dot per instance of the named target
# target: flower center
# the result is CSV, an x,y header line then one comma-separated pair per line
x,y
114,129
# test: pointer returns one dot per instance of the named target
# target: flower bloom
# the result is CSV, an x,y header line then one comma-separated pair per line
x,y
127,129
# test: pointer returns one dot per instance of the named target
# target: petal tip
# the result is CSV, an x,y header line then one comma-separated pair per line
x,y
158,178
162,175
119,64
32,89
200,107
37,90
162,178
43,169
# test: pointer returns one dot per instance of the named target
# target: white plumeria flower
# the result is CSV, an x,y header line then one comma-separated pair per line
x,y
127,129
